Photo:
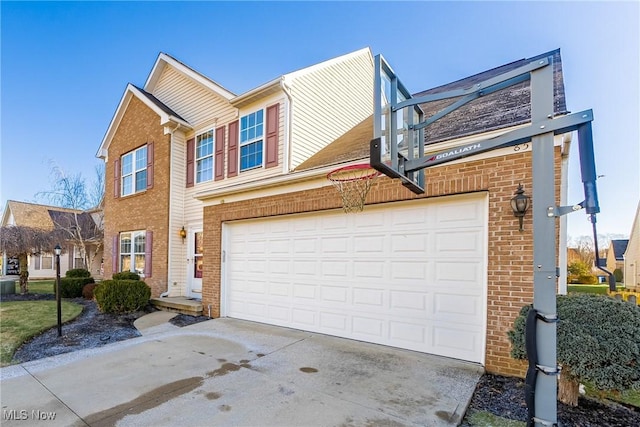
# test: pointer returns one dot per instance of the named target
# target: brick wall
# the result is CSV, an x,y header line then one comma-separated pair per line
x,y
510,252
147,210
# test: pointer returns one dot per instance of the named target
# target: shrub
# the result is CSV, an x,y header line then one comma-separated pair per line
x,y
87,290
126,275
78,272
598,342
121,296
617,273
587,279
71,287
578,268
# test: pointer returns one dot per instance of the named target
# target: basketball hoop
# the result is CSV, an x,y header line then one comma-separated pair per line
x,y
353,182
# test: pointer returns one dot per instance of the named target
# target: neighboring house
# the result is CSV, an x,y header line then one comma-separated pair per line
x,y
615,254
42,266
573,255
631,270
243,179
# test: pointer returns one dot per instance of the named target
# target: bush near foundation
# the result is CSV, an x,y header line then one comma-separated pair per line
x,y
74,281
121,296
77,272
126,275
598,342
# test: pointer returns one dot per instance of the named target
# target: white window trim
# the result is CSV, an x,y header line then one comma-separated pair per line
x,y
252,141
197,159
132,253
133,173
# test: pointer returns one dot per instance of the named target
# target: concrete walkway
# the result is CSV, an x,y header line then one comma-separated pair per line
x,y
230,372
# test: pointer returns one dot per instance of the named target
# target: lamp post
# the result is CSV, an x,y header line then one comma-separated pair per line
x,y
58,251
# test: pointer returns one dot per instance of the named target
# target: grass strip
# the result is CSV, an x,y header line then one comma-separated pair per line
x,y
487,419
21,320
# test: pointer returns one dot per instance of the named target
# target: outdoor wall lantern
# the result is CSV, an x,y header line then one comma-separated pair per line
x,y
520,204
58,250
183,233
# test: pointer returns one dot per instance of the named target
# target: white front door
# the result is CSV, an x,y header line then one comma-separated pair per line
x,y
194,270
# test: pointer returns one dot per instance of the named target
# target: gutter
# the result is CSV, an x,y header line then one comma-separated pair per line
x,y
279,180
562,249
254,92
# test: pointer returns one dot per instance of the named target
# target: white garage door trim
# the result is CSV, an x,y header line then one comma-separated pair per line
x,y
406,274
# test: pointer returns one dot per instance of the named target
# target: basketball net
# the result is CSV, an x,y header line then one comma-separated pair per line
x,y
353,182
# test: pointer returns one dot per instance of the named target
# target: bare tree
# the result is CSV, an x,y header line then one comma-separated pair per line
x,y
82,229
19,241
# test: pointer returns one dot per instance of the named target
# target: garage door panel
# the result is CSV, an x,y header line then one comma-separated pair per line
x,y
456,308
334,245
456,214
458,271
335,294
408,274
459,243
368,270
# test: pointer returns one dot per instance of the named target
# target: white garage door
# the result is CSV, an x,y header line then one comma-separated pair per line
x,y
408,274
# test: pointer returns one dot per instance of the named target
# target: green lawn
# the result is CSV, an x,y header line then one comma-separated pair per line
x,y
21,320
39,286
592,289
629,397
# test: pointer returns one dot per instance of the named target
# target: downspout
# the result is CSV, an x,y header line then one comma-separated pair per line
x,y
611,277
562,255
288,120
169,245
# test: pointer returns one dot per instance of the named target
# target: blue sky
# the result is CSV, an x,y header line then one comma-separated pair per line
x,y
65,65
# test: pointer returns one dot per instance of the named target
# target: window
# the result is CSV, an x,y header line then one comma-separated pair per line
x,y
47,261
204,157
132,247
251,137
43,262
78,258
134,171
197,255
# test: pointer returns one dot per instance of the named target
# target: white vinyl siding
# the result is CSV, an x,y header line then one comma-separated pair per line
x,y
195,103
328,102
408,274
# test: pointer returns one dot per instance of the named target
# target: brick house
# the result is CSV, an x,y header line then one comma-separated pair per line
x,y
243,179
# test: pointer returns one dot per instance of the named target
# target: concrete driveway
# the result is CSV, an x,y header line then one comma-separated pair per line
x,y
228,372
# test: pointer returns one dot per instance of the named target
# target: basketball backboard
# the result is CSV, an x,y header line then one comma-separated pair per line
x,y
393,128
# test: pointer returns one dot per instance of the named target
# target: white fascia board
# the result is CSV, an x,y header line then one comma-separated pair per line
x,y
117,116
164,59
284,181
131,90
256,92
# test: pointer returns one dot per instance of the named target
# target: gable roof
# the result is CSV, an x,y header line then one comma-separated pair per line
x,y
502,109
155,101
46,217
167,115
619,247
164,60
